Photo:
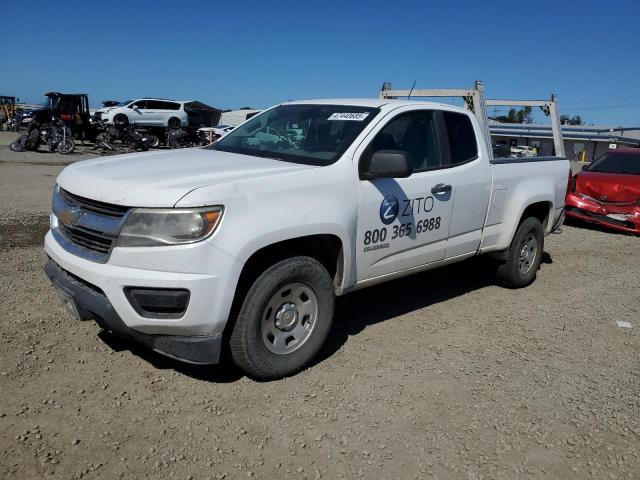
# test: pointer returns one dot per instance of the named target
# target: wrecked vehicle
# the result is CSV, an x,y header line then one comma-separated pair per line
x,y
607,191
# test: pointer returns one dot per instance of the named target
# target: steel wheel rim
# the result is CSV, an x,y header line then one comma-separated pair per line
x,y
527,253
289,318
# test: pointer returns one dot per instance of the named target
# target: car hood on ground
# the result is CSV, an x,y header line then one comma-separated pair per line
x,y
160,179
609,187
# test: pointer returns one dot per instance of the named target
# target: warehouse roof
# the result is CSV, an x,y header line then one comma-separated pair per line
x,y
594,133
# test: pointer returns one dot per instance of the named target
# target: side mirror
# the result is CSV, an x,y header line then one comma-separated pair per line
x,y
135,107
584,167
386,164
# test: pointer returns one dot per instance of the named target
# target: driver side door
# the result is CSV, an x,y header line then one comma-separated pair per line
x,y
404,222
137,112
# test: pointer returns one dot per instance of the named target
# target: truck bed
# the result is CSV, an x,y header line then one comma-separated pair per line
x,y
518,182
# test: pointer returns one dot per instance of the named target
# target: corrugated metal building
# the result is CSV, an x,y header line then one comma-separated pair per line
x,y
581,142
236,117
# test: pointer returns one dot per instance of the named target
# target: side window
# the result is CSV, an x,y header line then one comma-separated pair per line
x,y
415,133
461,136
141,104
170,106
155,105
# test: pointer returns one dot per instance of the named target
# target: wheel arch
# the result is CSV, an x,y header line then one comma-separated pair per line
x,y
542,210
328,249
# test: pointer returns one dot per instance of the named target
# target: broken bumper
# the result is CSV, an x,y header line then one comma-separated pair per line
x,y
621,218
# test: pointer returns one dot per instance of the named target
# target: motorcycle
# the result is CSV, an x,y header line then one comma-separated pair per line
x,y
138,139
30,140
152,140
178,138
128,135
58,137
105,140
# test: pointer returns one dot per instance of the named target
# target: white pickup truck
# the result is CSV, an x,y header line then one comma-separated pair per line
x,y
242,246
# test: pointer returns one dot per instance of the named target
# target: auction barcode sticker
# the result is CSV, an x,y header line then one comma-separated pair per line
x,y
353,116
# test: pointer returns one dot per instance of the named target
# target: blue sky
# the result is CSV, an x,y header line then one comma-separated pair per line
x,y
234,54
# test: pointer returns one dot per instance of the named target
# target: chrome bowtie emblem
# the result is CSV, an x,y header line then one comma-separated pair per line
x,y
71,215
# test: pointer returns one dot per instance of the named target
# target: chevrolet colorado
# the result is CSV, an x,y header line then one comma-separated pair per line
x,y
243,245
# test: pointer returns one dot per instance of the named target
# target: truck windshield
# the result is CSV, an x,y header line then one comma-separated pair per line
x,y
310,134
628,163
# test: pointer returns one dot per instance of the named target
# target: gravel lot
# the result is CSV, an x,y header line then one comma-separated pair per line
x,y
439,375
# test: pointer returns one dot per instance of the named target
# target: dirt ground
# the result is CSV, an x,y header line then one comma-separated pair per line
x,y
440,375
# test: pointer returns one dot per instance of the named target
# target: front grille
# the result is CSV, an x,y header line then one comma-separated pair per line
x,y
91,239
95,206
85,227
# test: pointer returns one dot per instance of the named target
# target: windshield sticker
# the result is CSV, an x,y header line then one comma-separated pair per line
x,y
353,116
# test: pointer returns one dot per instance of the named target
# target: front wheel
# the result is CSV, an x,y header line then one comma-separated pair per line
x,y
524,255
121,120
284,320
66,146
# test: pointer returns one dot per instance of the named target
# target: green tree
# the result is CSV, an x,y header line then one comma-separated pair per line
x,y
522,115
567,120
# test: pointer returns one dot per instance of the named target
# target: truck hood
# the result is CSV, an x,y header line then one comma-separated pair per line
x,y
609,187
160,179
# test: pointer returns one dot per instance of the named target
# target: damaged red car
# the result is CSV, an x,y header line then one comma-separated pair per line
x,y
607,191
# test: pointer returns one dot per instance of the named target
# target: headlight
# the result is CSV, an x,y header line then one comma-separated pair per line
x,y
147,227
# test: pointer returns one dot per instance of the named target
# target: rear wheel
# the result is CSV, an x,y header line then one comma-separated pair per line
x,y
284,320
16,147
153,140
524,255
173,122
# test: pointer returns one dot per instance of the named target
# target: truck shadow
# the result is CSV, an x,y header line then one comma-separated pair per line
x,y
383,302
225,372
354,313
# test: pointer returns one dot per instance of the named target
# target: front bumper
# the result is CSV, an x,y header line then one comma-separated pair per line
x,y
628,218
91,302
206,272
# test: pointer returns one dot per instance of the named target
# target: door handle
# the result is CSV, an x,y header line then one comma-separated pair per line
x,y
440,189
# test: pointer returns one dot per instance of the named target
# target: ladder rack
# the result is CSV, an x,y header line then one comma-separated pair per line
x,y
475,102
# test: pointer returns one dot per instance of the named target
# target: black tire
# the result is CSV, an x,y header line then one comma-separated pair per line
x,y
153,141
121,120
173,122
248,344
66,146
16,147
519,270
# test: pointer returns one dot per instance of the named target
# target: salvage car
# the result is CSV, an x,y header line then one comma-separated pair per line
x,y
523,151
242,246
158,112
607,191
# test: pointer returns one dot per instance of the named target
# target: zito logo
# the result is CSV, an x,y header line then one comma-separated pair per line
x,y
389,209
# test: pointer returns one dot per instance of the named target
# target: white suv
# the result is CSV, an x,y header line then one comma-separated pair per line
x,y
151,112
